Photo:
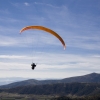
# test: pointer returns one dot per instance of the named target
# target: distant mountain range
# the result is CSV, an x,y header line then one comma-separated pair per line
x,y
89,78
8,80
78,89
80,86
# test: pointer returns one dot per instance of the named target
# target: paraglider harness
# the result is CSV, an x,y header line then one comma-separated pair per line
x,y
33,65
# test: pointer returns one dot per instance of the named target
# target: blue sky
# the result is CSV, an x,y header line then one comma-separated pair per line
x,y
76,21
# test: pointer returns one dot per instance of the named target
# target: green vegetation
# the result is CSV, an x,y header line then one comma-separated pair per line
x,y
95,97
12,96
78,89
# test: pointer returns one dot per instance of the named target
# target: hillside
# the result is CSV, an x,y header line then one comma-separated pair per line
x,y
89,78
78,89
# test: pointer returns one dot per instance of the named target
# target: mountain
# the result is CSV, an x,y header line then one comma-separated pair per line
x,y
78,89
93,77
89,78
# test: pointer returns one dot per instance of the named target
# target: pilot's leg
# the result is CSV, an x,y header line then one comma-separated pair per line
x,y
32,67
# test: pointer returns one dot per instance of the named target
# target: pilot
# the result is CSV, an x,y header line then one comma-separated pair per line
x,y
33,65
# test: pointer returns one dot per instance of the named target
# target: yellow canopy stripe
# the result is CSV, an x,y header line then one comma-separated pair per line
x,y
45,29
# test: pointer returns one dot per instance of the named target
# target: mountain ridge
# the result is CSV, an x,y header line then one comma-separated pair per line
x,y
93,77
88,78
78,89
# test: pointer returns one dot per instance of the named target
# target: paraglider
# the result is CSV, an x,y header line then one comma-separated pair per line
x,y
33,65
46,30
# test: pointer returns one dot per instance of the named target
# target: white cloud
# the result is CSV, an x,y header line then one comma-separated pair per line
x,y
45,4
26,4
49,65
54,61
8,19
14,57
8,41
84,42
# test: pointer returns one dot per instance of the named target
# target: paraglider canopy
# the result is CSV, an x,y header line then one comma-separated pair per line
x,y
45,29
